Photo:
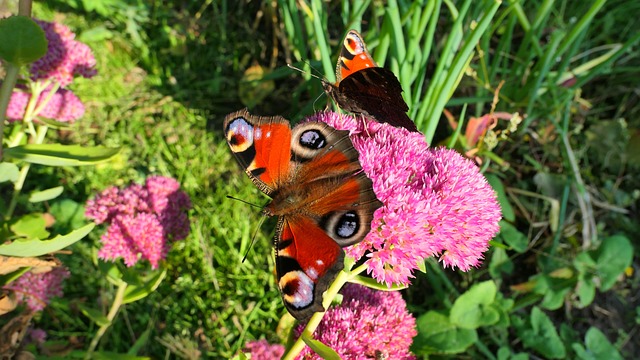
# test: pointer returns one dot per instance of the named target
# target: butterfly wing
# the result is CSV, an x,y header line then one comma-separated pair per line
x,y
364,88
337,203
354,56
377,93
262,146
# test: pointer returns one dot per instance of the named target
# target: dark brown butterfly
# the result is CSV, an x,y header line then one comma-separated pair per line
x,y
362,87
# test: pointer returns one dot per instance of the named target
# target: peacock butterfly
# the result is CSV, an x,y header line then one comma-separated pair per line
x,y
323,199
363,87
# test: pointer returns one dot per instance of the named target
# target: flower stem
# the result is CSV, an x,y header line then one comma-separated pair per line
x,y
117,302
343,277
5,95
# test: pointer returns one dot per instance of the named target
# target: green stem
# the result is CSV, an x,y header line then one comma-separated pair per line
x,y
17,187
5,95
117,302
313,323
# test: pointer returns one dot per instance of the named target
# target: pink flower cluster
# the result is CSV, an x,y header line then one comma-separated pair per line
x,y
37,289
367,324
65,56
436,202
262,350
144,220
64,106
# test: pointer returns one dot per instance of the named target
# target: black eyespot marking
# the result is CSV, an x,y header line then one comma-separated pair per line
x,y
347,225
313,139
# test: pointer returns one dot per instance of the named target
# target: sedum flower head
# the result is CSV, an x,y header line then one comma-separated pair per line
x,y
436,203
143,220
63,106
262,350
367,324
37,289
65,56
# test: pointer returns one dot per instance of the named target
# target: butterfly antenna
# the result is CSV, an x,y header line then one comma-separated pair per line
x,y
253,238
306,72
243,201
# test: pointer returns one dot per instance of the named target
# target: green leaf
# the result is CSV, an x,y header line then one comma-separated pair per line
x,y
373,284
9,172
30,226
514,238
137,292
507,211
436,335
44,195
68,213
500,263
22,41
541,336
140,343
94,314
472,309
61,155
598,347
586,290
612,257
321,349
37,247
108,355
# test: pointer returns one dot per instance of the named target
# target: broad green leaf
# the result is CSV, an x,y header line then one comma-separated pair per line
x,y
44,195
22,41
612,258
514,238
472,309
321,349
373,284
586,290
553,300
136,292
37,247
9,172
30,226
68,213
500,263
598,347
507,211
505,353
436,335
541,336
61,155
94,314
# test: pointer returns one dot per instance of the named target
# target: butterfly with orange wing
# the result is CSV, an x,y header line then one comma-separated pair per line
x,y
362,87
323,199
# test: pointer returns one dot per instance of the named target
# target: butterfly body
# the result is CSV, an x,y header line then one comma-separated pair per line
x,y
321,196
362,87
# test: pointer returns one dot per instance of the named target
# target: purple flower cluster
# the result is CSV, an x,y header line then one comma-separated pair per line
x,y
37,289
262,350
436,202
65,56
63,106
368,323
143,220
